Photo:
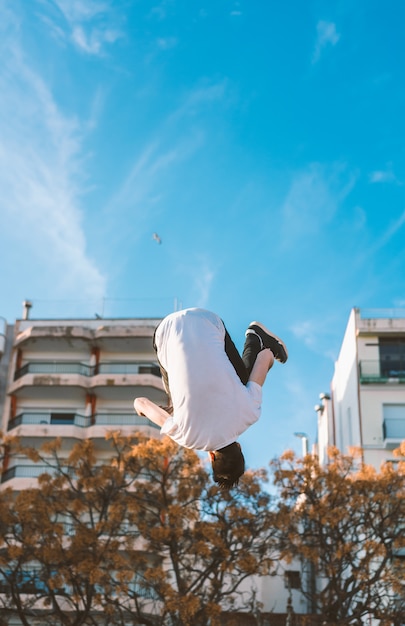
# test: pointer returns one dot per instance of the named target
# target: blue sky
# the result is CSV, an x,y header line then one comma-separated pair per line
x,y
263,141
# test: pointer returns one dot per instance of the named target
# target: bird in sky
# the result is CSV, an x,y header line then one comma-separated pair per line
x,y
157,238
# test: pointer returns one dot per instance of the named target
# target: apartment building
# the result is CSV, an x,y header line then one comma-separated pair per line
x,y
74,379
366,405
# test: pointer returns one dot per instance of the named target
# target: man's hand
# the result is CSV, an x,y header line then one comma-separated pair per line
x,y
147,408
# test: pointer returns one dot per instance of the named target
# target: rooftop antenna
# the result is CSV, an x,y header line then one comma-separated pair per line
x,y
26,309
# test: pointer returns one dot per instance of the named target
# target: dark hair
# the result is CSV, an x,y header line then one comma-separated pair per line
x,y
228,465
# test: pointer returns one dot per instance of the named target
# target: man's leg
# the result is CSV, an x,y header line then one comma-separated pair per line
x,y
264,361
253,346
257,339
235,358
243,364
268,339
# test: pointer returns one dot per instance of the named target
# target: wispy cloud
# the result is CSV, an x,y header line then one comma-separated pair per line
x,y
203,276
143,186
175,140
166,43
90,25
40,176
383,176
236,11
313,199
305,330
200,98
318,335
392,229
145,191
326,36
200,273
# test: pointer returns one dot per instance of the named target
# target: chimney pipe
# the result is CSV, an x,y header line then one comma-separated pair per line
x,y
26,309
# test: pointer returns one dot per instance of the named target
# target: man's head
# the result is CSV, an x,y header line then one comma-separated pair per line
x,y
228,465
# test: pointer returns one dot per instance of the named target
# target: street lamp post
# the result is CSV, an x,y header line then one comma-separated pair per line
x,y
308,568
304,439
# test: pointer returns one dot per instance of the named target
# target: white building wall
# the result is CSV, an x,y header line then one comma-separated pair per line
x,y
345,391
358,400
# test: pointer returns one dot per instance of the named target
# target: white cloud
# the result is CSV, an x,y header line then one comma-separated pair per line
x,y
236,11
200,98
142,187
89,24
145,190
326,35
383,176
305,330
317,335
175,141
81,10
203,278
388,234
313,199
40,177
166,43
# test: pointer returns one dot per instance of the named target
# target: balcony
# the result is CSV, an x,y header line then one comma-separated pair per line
x,y
74,419
113,380
82,369
34,581
381,372
25,471
129,335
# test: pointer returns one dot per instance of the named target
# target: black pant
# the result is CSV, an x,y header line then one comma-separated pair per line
x,y
243,365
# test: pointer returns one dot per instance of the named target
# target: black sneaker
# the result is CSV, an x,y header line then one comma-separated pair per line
x,y
269,340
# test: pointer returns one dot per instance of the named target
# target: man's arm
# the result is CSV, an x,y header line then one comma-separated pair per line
x,y
147,408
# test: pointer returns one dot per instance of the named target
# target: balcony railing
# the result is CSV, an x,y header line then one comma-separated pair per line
x,y
50,418
83,421
381,372
76,367
31,581
128,368
25,471
54,367
122,419
125,530
36,470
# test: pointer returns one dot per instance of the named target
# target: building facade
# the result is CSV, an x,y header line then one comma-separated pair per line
x,y
74,379
366,404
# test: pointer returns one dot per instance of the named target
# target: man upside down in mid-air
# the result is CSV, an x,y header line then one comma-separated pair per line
x,y
214,393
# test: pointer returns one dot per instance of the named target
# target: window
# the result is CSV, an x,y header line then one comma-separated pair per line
x,y
292,579
62,418
392,356
394,421
149,369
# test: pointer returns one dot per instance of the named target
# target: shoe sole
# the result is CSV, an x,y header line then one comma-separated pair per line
x,y
268,332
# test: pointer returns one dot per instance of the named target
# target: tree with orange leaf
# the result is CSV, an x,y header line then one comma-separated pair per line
x,y
144,538
345,523
209,541
63,538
